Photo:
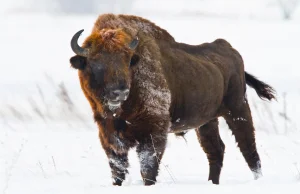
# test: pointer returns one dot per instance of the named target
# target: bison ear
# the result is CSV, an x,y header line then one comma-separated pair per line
x,y
134,60
78,62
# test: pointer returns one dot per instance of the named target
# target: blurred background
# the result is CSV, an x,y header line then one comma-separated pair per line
x,y
42,108
234,9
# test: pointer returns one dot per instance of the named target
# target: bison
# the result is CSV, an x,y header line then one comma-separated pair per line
x,y
142,85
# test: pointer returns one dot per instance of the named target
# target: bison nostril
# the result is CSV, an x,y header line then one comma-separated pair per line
x,y
116,92
126,92
120,94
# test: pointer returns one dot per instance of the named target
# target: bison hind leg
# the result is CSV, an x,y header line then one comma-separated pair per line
x,y
212,144
239,120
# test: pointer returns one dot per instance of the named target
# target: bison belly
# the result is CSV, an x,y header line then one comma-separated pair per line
x,y
197,97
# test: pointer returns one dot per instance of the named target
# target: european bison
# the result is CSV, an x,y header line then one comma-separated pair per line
x,y
142,84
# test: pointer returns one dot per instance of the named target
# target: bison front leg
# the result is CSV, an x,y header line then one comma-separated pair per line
x,y
118,164
150,151
115,147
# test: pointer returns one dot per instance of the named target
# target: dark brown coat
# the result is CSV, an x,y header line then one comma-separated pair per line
x,y
173,87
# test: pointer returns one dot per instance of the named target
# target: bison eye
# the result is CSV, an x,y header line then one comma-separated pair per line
x,y
134,60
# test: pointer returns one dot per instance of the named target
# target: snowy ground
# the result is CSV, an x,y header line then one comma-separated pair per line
x,y
56,158
49,144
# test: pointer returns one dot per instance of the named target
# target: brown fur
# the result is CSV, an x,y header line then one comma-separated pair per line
x,y
108,40
173,87
133,25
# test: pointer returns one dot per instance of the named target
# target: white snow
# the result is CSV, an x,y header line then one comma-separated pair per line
x,y
239,119
49,142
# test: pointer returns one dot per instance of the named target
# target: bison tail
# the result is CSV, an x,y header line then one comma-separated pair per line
x,y
263,90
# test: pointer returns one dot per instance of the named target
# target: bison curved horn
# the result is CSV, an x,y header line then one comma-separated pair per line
x,y
134,43
76,48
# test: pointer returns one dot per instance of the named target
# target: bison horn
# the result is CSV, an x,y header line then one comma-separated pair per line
x,y
134,43
76,48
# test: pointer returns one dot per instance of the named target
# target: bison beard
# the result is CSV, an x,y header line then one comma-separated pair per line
x,y
173,87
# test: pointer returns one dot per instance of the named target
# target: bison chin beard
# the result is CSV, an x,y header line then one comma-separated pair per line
x,y
113,108
113,105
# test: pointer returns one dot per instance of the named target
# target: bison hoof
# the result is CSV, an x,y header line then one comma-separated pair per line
x,y
214,173
214,181
148,182
117,182
257,173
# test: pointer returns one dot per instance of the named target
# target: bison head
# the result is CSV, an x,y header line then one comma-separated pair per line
x,y
104,63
